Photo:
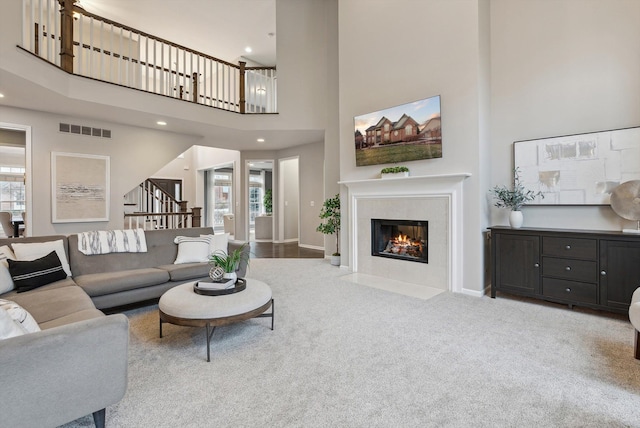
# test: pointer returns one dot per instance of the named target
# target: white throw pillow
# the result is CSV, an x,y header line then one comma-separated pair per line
x,y
35,250
8,326
192,249
218,242
6,283
20,315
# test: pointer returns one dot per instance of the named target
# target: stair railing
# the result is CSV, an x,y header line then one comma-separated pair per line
x,y
88,45
160,210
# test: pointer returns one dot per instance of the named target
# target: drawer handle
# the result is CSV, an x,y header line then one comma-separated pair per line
x,y
603,273
568,247
568,290
567,268
536,265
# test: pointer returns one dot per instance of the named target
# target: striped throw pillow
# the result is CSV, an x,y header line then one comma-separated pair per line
x,y
192,249
28,275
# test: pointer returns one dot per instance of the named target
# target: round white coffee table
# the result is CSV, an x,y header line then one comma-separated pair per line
x,y
182,306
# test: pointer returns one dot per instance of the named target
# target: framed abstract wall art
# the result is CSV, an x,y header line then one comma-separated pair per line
x,y
79,187
399,134
579,169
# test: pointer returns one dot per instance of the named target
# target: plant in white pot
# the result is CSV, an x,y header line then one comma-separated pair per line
x,y
228,263
330,214
514,199
394,172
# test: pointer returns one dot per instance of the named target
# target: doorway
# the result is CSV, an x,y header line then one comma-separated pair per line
x,y
260,194
15,166
218,199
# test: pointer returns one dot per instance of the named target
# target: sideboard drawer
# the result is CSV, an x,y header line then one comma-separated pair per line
x,y
576,270
569,290
579,248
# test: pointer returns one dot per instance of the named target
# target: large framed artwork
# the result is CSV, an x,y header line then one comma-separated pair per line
x,y
79,187
579,169
399,134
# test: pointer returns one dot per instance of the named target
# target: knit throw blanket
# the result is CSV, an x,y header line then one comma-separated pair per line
x,y
112,241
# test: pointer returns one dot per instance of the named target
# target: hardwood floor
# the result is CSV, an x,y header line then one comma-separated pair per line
x,y
289,250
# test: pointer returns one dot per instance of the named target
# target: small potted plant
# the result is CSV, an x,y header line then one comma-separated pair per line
x,y
394,172
330,214
228,263
514,199
268,201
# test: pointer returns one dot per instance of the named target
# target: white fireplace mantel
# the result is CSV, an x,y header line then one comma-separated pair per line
x,y
447,186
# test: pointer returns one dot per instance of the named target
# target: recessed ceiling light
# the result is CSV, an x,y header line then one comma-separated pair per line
x,y
1,95
260,140
161,123
248,49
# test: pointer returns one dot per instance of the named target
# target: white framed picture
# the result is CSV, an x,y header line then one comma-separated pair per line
x,y
580,169
79,187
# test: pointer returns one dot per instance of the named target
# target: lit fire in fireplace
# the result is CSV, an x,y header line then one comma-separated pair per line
x,y
404,246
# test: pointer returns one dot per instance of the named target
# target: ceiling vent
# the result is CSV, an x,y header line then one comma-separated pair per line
x,y
84,130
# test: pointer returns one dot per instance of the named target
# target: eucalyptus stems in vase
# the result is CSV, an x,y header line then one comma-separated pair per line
x,y
514,199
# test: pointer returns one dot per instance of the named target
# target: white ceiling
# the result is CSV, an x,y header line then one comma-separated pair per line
x,y
220,28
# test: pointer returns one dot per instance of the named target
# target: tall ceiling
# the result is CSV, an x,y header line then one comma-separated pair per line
x,y
220,28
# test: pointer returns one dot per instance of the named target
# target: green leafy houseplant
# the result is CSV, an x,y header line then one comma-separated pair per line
x,y
268,201
228,262
514,199
394,170
330,214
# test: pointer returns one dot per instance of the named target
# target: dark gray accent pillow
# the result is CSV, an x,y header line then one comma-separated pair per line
x,y
28,275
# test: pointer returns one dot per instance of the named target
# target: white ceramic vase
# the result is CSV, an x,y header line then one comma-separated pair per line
x,y
230,275
516,219
335,260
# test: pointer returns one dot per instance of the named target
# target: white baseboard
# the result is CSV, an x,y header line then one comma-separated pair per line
x,y
263,240
475,293
311,247
286,241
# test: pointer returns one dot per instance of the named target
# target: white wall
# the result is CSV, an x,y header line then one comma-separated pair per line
x,y
433,48
566,69
290,198
135,154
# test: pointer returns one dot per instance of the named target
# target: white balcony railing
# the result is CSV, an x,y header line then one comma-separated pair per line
x,y
106,50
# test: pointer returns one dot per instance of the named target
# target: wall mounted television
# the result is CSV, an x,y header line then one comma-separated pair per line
x,y
402,133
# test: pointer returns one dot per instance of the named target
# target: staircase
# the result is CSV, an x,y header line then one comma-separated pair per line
x,y
154,208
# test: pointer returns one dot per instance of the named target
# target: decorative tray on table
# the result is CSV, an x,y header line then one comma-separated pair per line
x,y
207,287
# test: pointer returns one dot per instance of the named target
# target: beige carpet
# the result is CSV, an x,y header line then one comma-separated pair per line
x,y
347,355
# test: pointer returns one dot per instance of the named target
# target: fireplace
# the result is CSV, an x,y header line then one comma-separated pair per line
x,y
400,239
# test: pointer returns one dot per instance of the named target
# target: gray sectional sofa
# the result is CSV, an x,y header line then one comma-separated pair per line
x,y
77,363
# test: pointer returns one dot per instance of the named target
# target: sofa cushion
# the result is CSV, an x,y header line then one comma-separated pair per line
x,y
161,250
28,275
6,283
97,284
186,271
35,250
85,314
192,249
20,315
53,303
8,326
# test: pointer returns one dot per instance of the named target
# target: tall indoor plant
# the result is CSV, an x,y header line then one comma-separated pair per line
x,y
514,199
330,214
268,201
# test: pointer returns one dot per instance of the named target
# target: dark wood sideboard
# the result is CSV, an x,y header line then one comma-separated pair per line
x,y
596,269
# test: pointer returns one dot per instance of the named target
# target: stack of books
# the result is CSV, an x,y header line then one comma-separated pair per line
x,y
218,284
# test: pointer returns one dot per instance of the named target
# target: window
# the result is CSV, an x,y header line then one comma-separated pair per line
x,y
256,193
218,196
12,191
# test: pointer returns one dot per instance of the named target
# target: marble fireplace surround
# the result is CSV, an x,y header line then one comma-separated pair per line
x,y
435,198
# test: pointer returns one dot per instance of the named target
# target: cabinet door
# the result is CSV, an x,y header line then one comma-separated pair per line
x,y
619,272
516,263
